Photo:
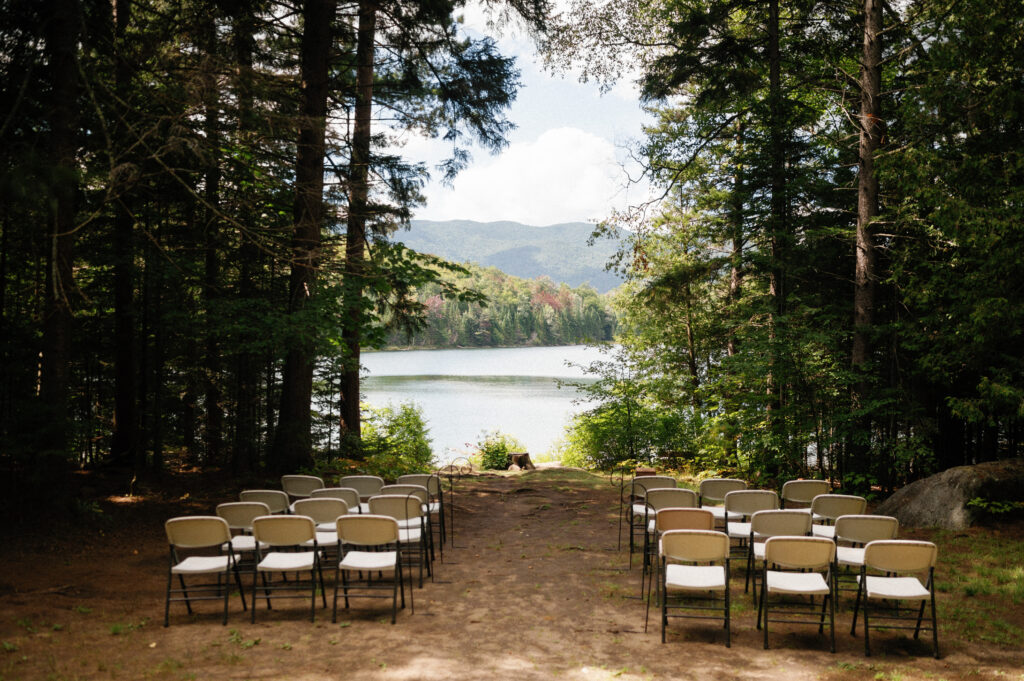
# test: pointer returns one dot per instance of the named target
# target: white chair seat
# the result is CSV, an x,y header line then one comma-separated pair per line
x,y
201,565
695,577
364,507
639,509
847,555
410,535
826,531
739,530
326,527
324,539
719,513
759,550
902,588
280,561
243,543
808,583
368,560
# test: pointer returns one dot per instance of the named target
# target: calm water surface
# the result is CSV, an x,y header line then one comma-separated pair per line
x,y
464,392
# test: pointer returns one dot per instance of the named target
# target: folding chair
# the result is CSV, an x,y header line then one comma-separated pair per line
x,y
370,547
826,508
346,494
300,486
660,498
273,498
742,504
712,494
901,563
803,491
407,510
240,515
694,567
765,524
673,519
853,532
199,536
638,505
366,485
421,493
432,482
324,511
801,567
287,543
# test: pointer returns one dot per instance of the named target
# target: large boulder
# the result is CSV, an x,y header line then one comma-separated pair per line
x,y
942,499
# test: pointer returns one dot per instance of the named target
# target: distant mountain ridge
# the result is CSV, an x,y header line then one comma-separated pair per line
x,y
557,251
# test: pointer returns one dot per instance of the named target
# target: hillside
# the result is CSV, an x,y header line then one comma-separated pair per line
x,y
559,251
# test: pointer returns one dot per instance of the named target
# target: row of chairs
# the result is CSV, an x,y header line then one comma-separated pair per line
x,y
795,552
355,490
350,527
284,544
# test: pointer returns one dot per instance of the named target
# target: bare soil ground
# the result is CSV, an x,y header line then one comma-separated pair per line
x,y
532,588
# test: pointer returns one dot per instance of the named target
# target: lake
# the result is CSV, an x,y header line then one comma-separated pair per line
x,y
465,392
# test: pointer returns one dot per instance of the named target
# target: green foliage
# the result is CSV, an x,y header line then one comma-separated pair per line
x,y
736,321
995,507
493,449
395,441
507,312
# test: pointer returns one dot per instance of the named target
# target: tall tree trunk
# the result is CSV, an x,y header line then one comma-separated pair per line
x,y
355,244
62,34
871,130
125,448
292,440
211,234
245,452
776,220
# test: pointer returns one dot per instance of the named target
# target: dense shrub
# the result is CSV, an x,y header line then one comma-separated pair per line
x,y
494,448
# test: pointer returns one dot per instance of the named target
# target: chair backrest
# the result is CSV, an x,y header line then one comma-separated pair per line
x,y
240,514
684,519
197,531
647,482
800,553
749,501
900,556
780,523
832,506
429,480
397,506
274,498
695,546
803,491
367,530
321,509
714,489
283,530
300,485
861,529
346,494
671,497
366,485
419,491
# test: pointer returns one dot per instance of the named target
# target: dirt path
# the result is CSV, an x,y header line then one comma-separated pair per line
x,y
534,588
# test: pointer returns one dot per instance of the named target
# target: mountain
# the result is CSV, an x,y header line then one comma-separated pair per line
x,y
559,251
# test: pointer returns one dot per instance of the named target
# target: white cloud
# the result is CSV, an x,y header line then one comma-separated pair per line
x,y
565,175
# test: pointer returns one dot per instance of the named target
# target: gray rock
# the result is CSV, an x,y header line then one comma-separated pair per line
x,y
942,499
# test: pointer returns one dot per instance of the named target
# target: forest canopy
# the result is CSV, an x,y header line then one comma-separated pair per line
x,y
831,280
197,202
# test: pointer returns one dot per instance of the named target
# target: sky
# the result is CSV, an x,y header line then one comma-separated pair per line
x,y
564,161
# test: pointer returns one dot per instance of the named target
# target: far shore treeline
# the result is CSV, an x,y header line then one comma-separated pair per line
x,y
515,312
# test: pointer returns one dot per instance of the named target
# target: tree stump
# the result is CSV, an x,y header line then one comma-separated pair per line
x,y
522,460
